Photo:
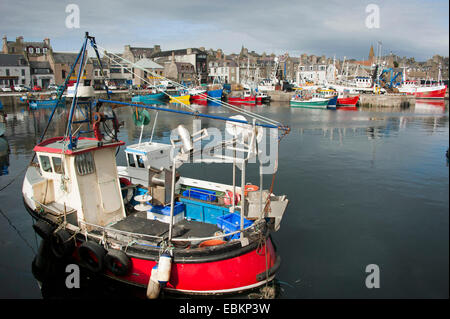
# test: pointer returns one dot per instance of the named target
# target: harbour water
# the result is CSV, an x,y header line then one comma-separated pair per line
x,y
365,187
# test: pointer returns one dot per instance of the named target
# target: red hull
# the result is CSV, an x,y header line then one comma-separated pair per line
x,y
435,94
199,99
249,100
222,276
347,103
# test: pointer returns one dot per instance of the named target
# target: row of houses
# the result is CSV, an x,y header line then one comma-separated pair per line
x,y
35,63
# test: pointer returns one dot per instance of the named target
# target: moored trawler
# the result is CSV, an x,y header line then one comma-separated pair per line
x,y
144,224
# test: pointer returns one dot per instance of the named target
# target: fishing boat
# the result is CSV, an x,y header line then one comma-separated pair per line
x,y
240,100
46,103
215,97
314,103
309,99
347,102
199,96
144,224
149,98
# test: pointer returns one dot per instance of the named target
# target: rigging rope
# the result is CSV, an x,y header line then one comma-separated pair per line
x,y
224,104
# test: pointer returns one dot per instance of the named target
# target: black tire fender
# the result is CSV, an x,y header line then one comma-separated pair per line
x,y
92,256
117,262
43,229
63,243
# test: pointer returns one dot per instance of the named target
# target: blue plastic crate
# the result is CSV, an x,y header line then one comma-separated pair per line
x,y
202,194
232,222
203,212
165,210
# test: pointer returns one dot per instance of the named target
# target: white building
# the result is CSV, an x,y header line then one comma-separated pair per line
x,y
224,72
14,69
317,73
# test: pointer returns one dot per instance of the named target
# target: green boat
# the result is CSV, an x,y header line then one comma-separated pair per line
x,y
314,103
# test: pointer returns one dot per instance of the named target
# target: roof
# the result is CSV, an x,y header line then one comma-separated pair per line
x,y
39,65
12,60
177,52
66,57
148,64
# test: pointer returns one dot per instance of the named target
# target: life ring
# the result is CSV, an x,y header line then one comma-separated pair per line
x,y
117,262
63,243
92,255
127,194
228,198
250,188
211,242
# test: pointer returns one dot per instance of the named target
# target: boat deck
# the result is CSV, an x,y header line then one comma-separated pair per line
x,y
138,223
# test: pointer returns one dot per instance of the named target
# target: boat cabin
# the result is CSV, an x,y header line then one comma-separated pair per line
x,y
83,180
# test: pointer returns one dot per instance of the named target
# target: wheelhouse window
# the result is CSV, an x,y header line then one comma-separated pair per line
x,y
140,161
57,165
131,160
45,163
85,163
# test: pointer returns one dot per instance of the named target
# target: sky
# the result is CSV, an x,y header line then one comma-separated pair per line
x,y
413,28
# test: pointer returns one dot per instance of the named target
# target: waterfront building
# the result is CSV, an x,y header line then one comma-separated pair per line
x,y
41,74
61,63
197,57
153,73
224,71
14,69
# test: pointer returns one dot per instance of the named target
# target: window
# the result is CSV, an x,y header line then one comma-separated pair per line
x,y
30,50
44,50
23,72
38,50
7,72
57,165
131,160
63,74
45,163
85,163
140,161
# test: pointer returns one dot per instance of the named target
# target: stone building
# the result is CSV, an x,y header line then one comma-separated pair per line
x,y
61,63
197,57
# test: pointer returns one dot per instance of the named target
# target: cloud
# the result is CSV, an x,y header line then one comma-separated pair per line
x,y
412,28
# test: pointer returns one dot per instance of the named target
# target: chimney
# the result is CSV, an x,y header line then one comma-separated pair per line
x,y
4,44
19,40
173,57
188,51
47,42
157,48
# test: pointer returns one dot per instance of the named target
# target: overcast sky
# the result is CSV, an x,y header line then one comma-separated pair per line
x,y
407,28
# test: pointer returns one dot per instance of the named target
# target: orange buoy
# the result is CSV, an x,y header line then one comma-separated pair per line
x,y
211,242
250,188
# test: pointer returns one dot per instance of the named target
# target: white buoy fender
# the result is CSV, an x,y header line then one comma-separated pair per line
x,y
153,287
164,267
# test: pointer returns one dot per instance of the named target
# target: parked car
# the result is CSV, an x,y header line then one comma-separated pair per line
x,y
37,88
52,87
6,89
20,88
112,87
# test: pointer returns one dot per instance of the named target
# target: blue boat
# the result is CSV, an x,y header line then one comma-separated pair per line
x,y
332,103
217,94
46,104
148,98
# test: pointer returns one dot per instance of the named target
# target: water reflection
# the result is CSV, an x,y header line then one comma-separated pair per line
x,y
4,156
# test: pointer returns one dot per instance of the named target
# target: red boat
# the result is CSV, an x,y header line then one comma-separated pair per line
x,y
431,92
200,99
145,224
239,100
347,103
